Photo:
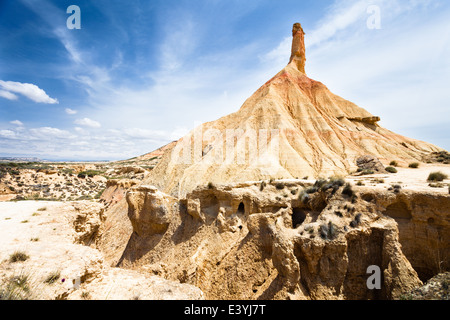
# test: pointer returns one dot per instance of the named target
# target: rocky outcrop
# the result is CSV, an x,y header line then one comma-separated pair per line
x,y
298,55
149,210
437,288
370,163
280,240
116,190
87,222
367,120
423,220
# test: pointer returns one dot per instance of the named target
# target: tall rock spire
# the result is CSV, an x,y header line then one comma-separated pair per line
x,y
298,47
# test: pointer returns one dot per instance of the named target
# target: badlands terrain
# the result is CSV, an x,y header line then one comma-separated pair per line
x,y
117,238
305,195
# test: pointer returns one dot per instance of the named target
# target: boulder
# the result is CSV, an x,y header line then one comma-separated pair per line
x,y
369,162
149,210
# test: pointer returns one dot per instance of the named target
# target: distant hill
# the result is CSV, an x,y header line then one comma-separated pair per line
x,y
20,159
151,158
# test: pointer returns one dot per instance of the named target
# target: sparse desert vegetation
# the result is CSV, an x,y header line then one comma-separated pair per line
x,y
414,165
18,256
437,176
391,170
393,163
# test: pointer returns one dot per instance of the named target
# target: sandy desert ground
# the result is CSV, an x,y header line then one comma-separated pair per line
x,y
41,258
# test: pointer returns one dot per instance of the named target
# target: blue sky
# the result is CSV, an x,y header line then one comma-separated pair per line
x,y
139,74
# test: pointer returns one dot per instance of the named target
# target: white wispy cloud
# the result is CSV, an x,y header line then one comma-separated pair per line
x,y
71,111
28,90
86,122
8,95
7,134
17,123
342,14
179,42
49,133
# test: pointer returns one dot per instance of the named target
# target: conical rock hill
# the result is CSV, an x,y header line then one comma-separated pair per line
x,y
291,127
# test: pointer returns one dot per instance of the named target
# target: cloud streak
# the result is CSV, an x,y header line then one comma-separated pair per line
x,y
71,111
86,122
8,95
28,90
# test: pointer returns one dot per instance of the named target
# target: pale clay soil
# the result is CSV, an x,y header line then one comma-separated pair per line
x,y
44,231
408,178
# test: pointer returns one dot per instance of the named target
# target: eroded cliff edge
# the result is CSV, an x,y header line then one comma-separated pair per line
x,y
285,239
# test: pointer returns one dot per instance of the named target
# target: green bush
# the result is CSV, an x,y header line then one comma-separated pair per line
x,y
328,232
320,183
18,256
394,163
304,196
279,186
391,170
52,277
89,173
311,190
366,171
414,165
323,185
348,190
262,186
15,288
437,176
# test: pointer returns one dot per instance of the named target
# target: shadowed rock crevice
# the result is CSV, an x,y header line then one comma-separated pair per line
x,y
398,210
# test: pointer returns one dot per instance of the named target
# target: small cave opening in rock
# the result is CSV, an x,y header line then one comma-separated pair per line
x,y
398,211
210,205
298,217
368,197
241,208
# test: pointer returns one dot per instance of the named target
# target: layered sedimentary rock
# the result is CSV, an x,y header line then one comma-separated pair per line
x,y
423,220
292,126
287,240
197,219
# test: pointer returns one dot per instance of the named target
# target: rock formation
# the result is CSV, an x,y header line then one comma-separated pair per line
x,y
288,239
370,163
214,214
291,127
298,55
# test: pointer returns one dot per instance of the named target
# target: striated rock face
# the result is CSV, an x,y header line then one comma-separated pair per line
x,y
291,127
116,190
286,240
423,220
